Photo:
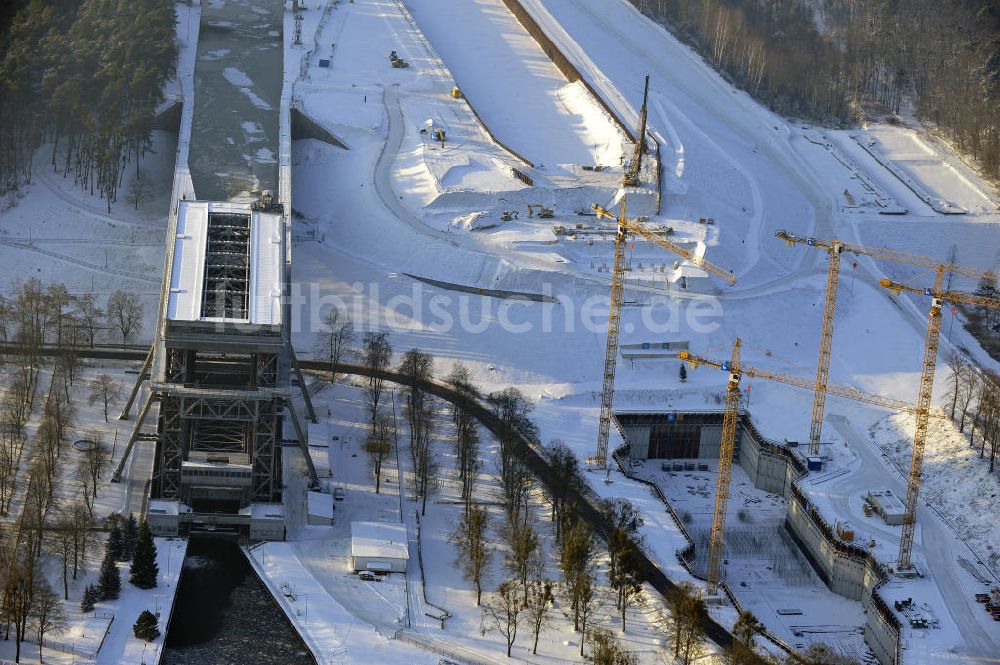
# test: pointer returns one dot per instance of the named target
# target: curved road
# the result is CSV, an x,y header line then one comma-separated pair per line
x,y
935,538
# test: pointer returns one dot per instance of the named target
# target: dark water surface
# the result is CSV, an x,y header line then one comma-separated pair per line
x,y
224,615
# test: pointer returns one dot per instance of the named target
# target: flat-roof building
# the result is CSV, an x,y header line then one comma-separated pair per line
x,y
379,546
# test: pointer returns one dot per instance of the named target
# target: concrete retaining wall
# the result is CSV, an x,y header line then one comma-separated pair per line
x,y
559,59
846,569
571,71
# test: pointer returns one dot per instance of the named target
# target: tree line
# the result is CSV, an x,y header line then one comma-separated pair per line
x,y
55,529
974,405
595,578
35,314
84,76
831,61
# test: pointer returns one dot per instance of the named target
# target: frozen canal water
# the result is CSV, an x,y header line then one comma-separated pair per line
x,y
238,77
225,615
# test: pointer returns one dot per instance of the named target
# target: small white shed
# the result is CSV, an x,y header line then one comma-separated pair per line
x,y
320,508
887,505
379,547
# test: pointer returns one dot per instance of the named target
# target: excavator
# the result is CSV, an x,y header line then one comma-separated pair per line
x,y
543,212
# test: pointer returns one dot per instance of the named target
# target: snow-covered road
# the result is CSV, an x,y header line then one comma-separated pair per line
x,y
938,545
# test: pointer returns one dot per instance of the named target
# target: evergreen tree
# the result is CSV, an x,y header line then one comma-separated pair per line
x,y
110,581
144,568
90,598
145,627
116,540
130,531
683,373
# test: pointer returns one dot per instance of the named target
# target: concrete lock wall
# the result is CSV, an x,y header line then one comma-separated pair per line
x,y
710,441
638,439
843,570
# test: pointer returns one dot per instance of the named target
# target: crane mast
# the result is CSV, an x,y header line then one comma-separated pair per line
x,y
737,370
834,249
626,226
631,178
938,296
825,348
611,348
726,448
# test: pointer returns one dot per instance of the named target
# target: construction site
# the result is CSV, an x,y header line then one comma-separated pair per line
x,y
745,326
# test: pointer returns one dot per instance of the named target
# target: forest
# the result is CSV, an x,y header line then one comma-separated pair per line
x,y
839,61
83,77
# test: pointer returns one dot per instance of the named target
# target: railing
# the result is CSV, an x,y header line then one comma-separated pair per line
x,y
444,614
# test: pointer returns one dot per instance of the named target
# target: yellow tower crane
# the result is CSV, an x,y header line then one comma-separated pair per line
x,y
736,371
834,249
938,296
625,227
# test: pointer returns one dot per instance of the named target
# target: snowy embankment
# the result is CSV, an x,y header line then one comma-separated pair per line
x,y
515,87
331,632
121,645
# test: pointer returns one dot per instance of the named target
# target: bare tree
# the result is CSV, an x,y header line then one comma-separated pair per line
x,y
539,602
503,612
577,554
745,630
105,390
47,614
687,617
82,535
335,339
512,409
124,313
378,445
588,604
516,484
606,650
20,401
377,354
6,318
11,445
466,433
626,569
139,188
473,554
18,598
425,464
90,316
61,545
523,558
417,367
88,490
467,452
567,481
96,459
57,301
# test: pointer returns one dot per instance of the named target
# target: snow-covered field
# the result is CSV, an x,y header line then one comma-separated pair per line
x,y
398,204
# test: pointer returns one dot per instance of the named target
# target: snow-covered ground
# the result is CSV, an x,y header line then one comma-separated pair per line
x,y
525,97
105,635
399,204
750,170
393,613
